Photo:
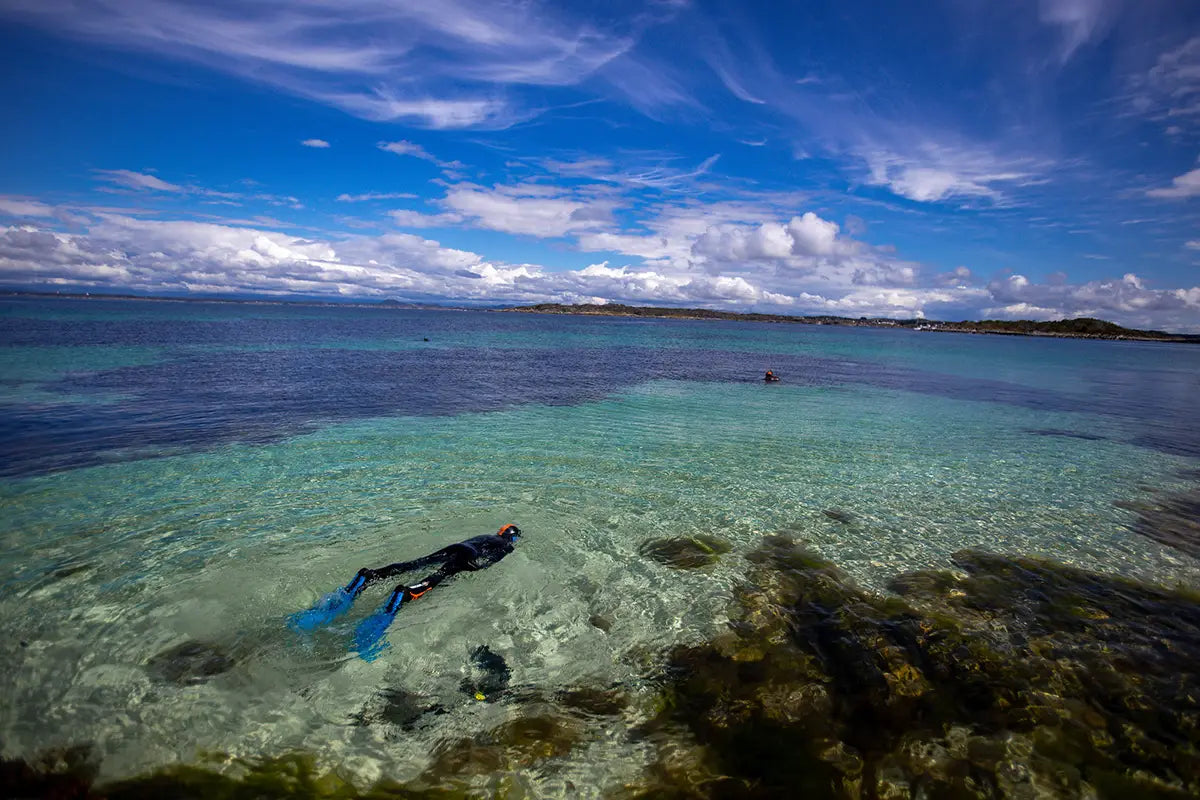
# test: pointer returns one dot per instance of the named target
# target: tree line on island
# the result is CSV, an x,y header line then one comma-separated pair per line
x,y
1082,327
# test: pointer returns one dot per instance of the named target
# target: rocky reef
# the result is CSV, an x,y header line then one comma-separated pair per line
x,y
1005,677
1015,678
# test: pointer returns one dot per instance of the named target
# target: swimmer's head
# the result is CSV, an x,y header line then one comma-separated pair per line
x,y
509,532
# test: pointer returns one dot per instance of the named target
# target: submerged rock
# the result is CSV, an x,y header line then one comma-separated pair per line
x,y
593,702
838,515
1170,519
1016,678
190,663
600,621
685,552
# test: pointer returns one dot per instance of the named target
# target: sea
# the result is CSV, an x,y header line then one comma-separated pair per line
x,y
180,478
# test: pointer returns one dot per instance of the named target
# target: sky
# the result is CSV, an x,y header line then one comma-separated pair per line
x,y
953,159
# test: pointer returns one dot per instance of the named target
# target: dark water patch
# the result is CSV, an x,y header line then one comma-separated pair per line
x,y
1172,519
1185,442
685,552
1018,678
1065,434
209,390
190,663
200,401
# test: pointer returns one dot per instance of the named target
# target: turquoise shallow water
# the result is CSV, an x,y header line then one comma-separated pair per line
x,y
897,450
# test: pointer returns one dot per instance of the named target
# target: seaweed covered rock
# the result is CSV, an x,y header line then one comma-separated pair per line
x,y
685,552
1021,678
64,774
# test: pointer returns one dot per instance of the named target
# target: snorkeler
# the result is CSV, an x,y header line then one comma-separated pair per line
x,y
770,376
473,554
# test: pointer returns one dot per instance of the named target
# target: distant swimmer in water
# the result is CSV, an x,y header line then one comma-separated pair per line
x,y
770,376
473,554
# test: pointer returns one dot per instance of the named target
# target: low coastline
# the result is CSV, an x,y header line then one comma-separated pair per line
x,y
1081,328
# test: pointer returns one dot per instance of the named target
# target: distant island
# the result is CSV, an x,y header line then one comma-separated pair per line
x,y
1081,328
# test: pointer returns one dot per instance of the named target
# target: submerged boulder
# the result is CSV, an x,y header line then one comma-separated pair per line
x,y
685,552
190,663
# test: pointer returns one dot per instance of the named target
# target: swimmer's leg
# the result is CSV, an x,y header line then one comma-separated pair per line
x,y
339,601
368,638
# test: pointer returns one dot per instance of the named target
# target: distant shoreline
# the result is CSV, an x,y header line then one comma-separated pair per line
x,y
1080,328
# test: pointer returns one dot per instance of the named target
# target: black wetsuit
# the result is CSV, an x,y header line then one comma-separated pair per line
x,y
475,553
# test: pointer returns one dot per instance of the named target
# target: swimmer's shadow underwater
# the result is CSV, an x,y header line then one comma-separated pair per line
x,y
487,679
472,555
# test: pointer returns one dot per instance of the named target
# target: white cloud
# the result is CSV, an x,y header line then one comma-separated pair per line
x,y
137,180
764,266
360,198
652,171
933,173
1127,300
405,148
1183,186
439,65
1079,21
528,209
415,219
23,207
1194,244
318,143
1173,84
812,235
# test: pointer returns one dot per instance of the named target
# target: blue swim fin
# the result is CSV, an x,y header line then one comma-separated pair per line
x,y
328,608
369,638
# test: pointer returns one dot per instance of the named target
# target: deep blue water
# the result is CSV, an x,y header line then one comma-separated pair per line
x,y
248,373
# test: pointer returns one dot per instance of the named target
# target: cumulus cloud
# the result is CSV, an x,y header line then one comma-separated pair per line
x,y
806,235
1127,299
529,209
118,252
1183,186
318,143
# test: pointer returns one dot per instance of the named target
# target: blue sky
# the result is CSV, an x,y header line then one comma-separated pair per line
x,y
951,160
